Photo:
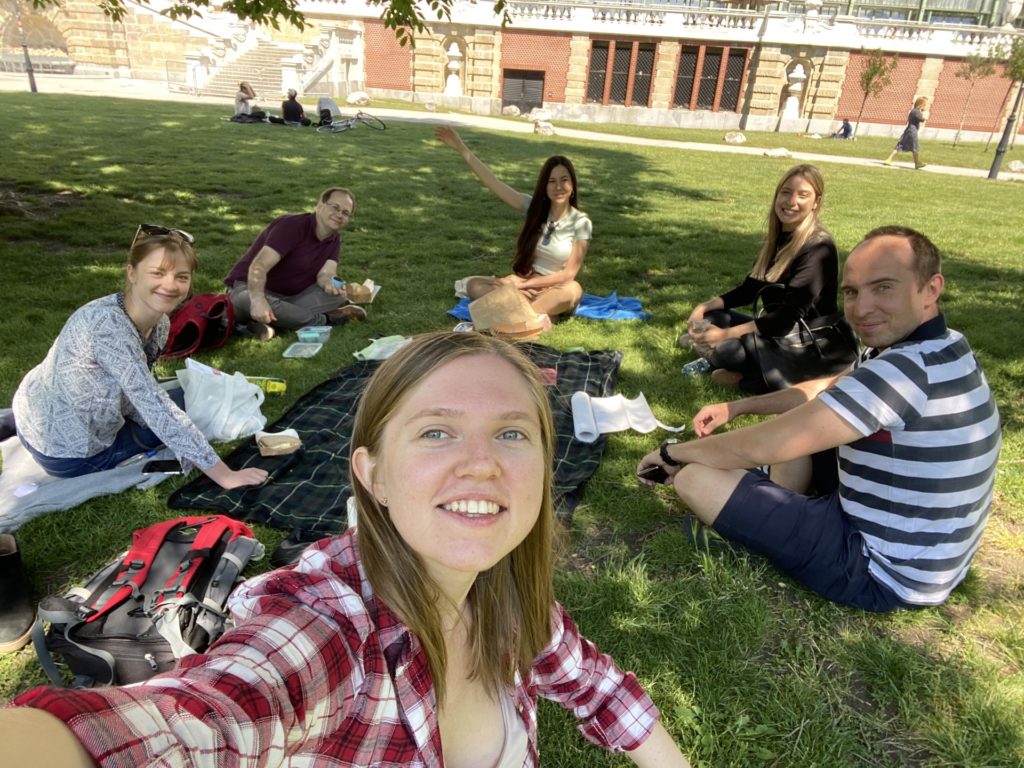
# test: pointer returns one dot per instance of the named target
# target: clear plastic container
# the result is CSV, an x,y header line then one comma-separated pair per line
x,y
302,349
314,334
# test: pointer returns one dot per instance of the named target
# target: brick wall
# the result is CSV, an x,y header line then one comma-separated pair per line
x,y
985,110
388,64
892,106
538,51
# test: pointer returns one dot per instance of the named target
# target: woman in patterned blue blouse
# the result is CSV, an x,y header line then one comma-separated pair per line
x,y
93,402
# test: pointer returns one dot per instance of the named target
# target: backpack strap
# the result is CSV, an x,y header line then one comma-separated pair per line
x,y
135,566
61,611
167,605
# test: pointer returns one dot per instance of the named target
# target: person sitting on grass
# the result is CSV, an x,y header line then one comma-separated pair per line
x,y
288,277
292,112
903,506
93,402
245,98
553,240
421,637
795,275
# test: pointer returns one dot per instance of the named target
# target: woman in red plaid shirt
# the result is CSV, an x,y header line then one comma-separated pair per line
x,y
421,638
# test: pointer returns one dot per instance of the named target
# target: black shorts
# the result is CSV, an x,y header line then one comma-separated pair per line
x,y
810,539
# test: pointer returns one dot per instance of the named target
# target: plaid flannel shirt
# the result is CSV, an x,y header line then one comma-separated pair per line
x,y
319,672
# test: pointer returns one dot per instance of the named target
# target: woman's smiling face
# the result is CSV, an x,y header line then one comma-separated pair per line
x,y
461,466
794,202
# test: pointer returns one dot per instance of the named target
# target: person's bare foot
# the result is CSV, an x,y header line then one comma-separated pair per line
x,y
726,378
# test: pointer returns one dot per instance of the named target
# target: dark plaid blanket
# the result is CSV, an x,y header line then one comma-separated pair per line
x,y
306,490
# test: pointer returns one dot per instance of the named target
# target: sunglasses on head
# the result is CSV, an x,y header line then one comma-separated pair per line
x,y
548,232
155,230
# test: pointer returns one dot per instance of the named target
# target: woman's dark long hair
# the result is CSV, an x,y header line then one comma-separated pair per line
x,y
537,214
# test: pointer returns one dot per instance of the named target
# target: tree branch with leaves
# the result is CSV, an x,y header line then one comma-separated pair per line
x,y
402,16
875,78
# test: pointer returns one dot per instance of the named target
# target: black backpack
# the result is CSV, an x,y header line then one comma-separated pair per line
x,y
163,599
325,117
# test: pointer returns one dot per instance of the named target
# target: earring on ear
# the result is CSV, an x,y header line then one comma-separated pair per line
x,y
383,501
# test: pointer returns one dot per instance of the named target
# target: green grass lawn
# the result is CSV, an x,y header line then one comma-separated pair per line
x,y
747,667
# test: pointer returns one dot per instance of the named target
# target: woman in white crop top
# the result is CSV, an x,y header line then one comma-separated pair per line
x,y
553,240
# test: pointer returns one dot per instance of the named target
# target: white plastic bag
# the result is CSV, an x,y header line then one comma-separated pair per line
x,y
223,407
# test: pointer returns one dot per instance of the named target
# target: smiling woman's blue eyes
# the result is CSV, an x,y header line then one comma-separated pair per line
x,y
506,434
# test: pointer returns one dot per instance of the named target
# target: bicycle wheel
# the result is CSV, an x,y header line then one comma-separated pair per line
x,y
370,121
338,126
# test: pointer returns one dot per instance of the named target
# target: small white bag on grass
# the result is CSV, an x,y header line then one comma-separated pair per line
x,y
223,407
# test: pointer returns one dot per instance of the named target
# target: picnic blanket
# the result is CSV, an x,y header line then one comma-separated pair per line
x,y
306,490
610,307
26,491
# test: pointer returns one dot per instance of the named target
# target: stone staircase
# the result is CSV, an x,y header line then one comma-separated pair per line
x,y
261,67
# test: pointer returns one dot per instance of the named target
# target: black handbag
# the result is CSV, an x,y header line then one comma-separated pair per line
x,y
821,346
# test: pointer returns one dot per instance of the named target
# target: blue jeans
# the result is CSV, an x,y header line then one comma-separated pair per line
x,y
131,440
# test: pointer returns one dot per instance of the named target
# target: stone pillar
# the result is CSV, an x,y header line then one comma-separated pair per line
x,y
664,81
576,77
928,83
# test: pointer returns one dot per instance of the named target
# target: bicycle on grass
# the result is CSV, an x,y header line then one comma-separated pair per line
x,y
343,124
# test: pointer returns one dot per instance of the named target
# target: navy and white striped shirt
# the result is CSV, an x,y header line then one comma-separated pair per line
x,y
918,485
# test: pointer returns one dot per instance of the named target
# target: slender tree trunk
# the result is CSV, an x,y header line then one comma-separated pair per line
x,y
999,117
963,115
856,130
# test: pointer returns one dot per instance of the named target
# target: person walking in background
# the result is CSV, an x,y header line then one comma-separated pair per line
x,y
245,95
908,140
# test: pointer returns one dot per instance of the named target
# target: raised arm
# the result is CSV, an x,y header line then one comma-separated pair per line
x,y
447,135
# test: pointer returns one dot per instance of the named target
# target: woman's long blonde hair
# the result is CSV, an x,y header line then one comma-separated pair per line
x,y
510,604
769,265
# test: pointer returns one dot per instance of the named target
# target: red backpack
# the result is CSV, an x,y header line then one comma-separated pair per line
x,y
203,322
163,599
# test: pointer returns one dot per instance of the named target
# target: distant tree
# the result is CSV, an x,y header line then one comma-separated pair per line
x,y
973,69
1013,68
875,78
402,16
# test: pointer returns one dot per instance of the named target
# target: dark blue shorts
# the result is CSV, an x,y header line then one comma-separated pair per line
x,y
810,539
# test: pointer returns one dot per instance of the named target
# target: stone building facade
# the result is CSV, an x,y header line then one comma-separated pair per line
x,y
652,63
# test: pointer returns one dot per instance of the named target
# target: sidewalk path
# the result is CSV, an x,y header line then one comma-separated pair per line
x,y
156,90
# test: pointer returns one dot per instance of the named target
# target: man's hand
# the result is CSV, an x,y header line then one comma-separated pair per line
x,y
333,289
259,310
711,417
654,459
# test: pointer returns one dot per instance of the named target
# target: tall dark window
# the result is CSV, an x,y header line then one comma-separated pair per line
x,y
710,77
642,73
598,66
733,76
685,76
620,72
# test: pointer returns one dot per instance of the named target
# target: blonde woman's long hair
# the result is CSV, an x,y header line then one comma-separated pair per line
x,y
769,265
510,604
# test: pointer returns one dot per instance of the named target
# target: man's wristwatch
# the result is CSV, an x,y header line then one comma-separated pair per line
x,y
666,457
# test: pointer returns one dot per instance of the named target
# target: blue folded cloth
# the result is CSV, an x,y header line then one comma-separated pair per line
x,y
461,310
610,307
